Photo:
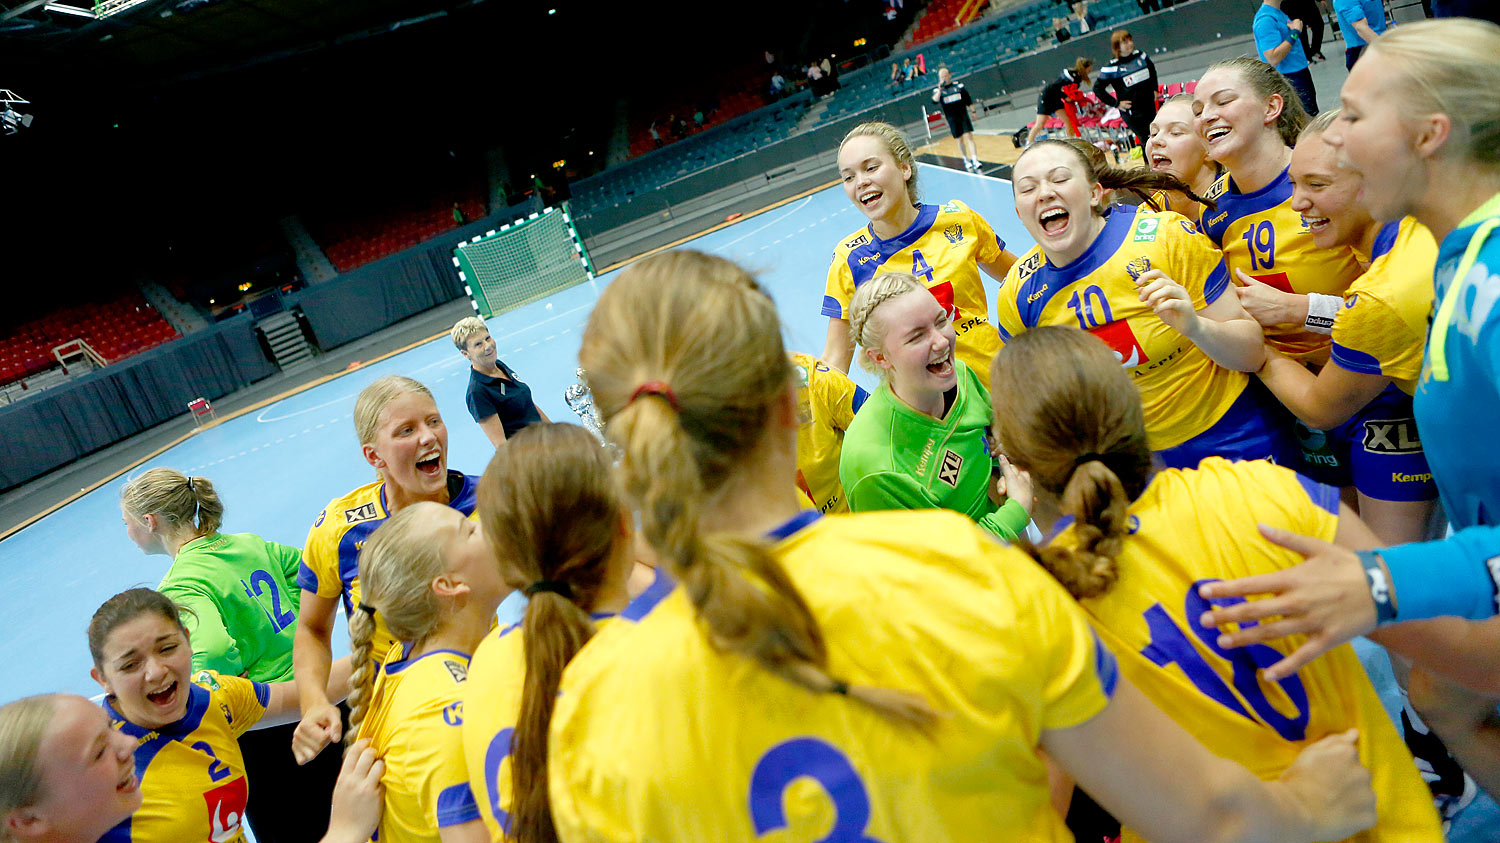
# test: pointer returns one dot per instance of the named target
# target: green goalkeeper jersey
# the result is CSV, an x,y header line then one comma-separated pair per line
x,y
242,598
895,457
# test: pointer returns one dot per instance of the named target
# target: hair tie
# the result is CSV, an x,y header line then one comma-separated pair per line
x,y
554,586
656,388
190,484
839,687
367,609
1087,456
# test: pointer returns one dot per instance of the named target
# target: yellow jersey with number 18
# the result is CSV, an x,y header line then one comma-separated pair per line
x,y
826,403
414,718
191,773
660,735
1190,527
943,249
1183,390
1382,328
1263,237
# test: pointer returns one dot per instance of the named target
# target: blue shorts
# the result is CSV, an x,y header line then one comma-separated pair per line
x,y
1376,451
1255,427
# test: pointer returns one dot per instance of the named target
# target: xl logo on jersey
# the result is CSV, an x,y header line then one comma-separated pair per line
x,y
1392,436
358,514
458,670
948,471
1029,264
1138,266
954,233
1121,340
858,241
226,810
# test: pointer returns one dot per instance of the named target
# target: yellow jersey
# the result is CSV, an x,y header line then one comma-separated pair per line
x,y
923,601
191,773
1382,328
943,249
414,723
330,561
497,678
1184,391
1190,527
826,403
1263,237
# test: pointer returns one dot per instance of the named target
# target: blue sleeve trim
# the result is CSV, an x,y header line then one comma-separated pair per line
x,y
832,308
1458,576
1355,361
307,579
1326,497
860,397
1216,283
262,693
1106,667
456,806
1000,242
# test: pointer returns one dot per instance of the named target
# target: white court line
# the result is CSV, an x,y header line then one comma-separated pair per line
x,y
789,211
964,173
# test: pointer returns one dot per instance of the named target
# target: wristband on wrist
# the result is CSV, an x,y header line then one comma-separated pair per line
x,y
1321,311
1380,587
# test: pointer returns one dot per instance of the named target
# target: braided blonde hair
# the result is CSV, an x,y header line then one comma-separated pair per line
x,y
865,330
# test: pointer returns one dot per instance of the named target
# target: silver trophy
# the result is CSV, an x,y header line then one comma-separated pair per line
x,y
582,402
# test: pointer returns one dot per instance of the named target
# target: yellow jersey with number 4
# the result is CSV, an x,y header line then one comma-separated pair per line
x,y
943,248
415,715
826,403
1195,526
191,773
659,735
1183,390
1382,328
1263,237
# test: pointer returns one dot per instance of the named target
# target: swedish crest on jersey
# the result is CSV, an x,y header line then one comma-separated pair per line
x,y
954,233
1137,266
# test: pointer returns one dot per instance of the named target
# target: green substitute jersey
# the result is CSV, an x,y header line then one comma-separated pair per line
x,y
895,457
242,595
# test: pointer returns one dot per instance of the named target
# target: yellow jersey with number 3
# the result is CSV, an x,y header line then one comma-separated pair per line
x,y
943,248
826,403
1183,390
1191,527
1382,328
414,722
191,773
1263,237
659,735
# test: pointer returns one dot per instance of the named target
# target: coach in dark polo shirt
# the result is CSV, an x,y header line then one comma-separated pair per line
x,y
497,399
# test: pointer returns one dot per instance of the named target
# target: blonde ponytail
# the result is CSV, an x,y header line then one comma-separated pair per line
x,y
685,359
188,504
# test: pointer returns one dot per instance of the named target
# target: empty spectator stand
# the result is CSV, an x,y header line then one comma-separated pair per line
x,y
943,17
353,235
116,328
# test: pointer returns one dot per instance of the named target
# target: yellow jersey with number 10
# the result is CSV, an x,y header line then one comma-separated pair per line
x,y
1191,527
1183,390
943,249
1263,237
192,775
660,735
826,403
1382,328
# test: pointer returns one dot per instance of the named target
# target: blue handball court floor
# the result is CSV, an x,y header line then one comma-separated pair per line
x,y
277,467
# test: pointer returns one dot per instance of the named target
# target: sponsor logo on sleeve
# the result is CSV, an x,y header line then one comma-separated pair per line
x,y
1027,265
458,670
1145,230
360,513
948,471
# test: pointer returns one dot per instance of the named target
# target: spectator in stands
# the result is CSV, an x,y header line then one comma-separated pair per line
x,y
656,136
897,77
1128,81
909,69
1054,98
1310,12
1087,20
778,84
458,214
1361,21
1060,30
497,399
1277,43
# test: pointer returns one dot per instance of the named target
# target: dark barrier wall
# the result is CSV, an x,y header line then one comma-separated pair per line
x,y
101,408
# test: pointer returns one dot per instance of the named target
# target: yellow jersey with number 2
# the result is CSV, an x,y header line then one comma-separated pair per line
x,y
1196,526
660,735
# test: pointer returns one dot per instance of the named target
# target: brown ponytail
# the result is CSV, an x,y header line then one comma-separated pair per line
x,y
706,330
1266,81
550,509
1074,420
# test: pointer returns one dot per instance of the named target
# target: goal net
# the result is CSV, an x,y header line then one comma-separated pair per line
x,y
523,261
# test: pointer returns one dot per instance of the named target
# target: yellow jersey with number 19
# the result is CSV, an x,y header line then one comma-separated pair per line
x,y
1263,237
1188,528
191,773
1382,329
413,721
1183,390
826,403
924,601
943,248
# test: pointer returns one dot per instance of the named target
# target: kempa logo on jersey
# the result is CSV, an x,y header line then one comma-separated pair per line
x,y
867,258
948,473
1218,219
1392,436
954,233
1145,230
1031,299
1398,477
361,513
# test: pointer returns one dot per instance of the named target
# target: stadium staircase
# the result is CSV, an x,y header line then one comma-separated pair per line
x,y
183,317
287,341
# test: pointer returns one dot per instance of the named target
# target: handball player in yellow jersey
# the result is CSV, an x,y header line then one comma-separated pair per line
x,y
884,677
